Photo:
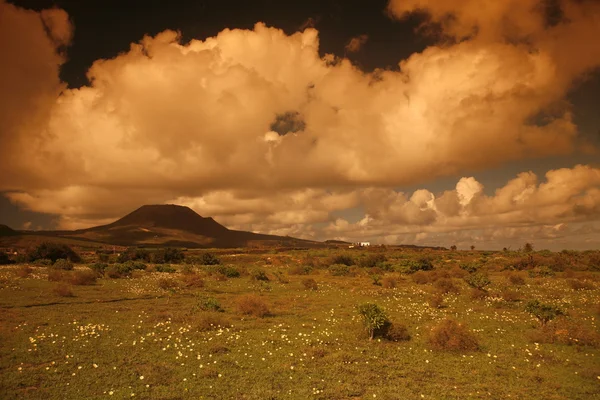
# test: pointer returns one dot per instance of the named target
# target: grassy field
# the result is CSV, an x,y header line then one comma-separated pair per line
x,y
288,327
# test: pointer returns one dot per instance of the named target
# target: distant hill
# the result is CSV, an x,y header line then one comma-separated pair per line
x,y
178,226
7,231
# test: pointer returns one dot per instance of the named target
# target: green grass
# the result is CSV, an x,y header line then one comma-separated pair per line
x,y
110,335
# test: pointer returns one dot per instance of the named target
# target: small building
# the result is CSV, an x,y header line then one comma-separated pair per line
x,y
364,244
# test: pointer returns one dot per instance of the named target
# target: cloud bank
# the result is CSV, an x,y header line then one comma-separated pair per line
x,y
256,125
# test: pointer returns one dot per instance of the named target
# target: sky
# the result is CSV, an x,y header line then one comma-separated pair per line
x,y
427,122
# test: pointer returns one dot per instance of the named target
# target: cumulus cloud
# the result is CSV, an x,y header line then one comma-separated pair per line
x,y
220,123
356,43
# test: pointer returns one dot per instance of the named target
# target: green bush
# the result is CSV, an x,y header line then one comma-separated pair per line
x,y
210,259
259,275
478,280
543,312
209,304
134,254
228,271
421,264
52,251
63,264
372,260
469,267
343,259
115,271
373,317
99,267
164,268
339,270
167,255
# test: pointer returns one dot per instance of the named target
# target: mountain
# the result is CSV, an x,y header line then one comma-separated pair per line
x,y
7,231
173,225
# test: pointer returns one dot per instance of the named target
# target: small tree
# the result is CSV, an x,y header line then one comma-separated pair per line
x,y
478,280
453,247
472,247
210,259
374,318
528,248
52,251
543,312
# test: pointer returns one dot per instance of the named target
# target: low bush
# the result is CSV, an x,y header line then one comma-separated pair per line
x,y
446,285
510,295
192,280
209,304
421,264
339,270
229,271
210,259
543,312
43,262
211,321
252,305
115,271
56,275
436,300
478,280
389,282
164,268
515,279
396,332
99,267
452,336
24,271
63,264
372,260
578,284
470,267
166,283
300,270
343,259
63,290
81,278
5,259
566,332
310,284
52,251
259,275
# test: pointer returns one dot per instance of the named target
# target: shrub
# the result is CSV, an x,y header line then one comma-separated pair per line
x,y
209,304
421,277
210,259
446,285
389,282
166,283
478,280
24,271
371,261
510,295
253,305
396,332
578,284
259,275
99,267
103,257
422,264
167,255
134,254
280,277
228,271
164,268
373,317
4,259
310,284
343,259
453,336
63,264
63,290
376,280
43,262
478,294
83,278
211,321
469,267
339,270
436,300
52,251
300,270
116,271
543,312
516,279
193,280
56,275
566,332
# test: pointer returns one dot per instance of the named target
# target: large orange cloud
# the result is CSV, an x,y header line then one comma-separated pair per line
x,y
193,122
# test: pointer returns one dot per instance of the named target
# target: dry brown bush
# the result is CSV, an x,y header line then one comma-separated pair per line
x,y
510,295
166,283
24,271
423,277
389,282
436,300
446,285
310,284
192,280
63,290
83,278
515,278
578,284
210,321
253,305
567,332
397,333
56,275
478,294
453,336
457,272
220,277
